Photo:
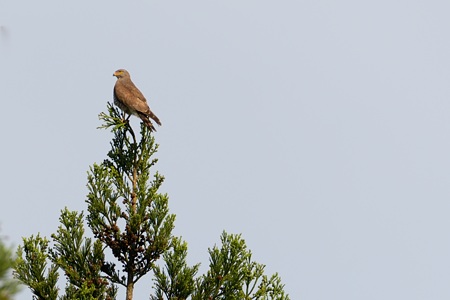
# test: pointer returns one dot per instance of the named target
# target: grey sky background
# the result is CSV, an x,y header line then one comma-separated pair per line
x,y
317,129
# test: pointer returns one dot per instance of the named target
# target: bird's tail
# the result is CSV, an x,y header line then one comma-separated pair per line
x,y
147,122
154,117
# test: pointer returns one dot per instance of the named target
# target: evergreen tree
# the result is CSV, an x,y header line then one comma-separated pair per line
x,y
132,226
124,177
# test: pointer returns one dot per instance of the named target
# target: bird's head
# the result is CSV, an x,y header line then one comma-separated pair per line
x,y
121,73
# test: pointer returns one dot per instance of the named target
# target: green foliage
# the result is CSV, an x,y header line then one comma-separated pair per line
x,y
233,275
31,268
8,286
80,258
176,280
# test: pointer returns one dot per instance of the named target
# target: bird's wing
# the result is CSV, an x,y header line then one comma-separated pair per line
x,y
131,96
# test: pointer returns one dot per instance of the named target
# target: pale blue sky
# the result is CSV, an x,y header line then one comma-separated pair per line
x,y
317,129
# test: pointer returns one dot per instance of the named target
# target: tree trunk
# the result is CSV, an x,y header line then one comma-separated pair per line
x,y
130,287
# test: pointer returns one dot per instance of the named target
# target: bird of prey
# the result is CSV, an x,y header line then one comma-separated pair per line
x,y
130,99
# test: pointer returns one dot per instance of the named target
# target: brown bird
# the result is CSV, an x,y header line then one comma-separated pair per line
x,y
130,99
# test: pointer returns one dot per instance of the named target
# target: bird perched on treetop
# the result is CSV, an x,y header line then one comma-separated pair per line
x,y
130,99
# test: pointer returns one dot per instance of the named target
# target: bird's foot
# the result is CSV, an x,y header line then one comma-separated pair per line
x,y
125,119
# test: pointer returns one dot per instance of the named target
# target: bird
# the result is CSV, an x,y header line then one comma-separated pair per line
x,y
130,99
